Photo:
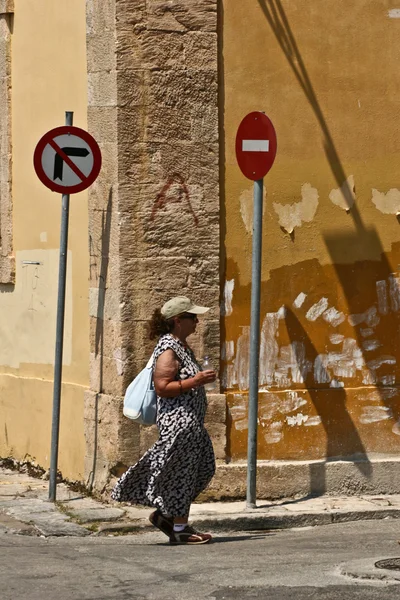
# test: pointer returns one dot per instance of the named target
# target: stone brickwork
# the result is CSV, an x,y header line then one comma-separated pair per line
x,y
7,268
154,211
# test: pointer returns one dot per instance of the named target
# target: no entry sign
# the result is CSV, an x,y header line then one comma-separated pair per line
x,y
255,145
67,159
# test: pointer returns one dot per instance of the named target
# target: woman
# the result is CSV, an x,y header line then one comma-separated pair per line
x,y
181,463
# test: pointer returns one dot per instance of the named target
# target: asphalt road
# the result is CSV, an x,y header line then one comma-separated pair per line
x,y
285,565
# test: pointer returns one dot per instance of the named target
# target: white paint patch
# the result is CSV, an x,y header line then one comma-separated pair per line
x,y
294,215
313,421
228,350
228,293
241,363
274,435
394,291
335,338
328,367
291,402
366,332
334,317
370,317
246,208
381,291
238,414
374,414
298,303
387,380
43,236
336,384
345,196
369,345
394,13
317,309
298,420
375,364
388,204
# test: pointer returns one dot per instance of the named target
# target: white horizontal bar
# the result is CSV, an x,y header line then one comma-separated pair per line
x,y
255,145
394,13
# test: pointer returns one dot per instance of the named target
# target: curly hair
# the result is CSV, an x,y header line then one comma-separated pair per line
x,y
158,325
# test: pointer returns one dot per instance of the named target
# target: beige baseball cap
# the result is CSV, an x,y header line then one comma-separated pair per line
x,y
179,305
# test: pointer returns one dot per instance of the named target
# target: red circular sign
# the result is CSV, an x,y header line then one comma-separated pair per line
x,y
255,145
67,159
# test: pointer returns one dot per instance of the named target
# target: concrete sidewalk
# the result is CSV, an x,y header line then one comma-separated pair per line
x,y
24,509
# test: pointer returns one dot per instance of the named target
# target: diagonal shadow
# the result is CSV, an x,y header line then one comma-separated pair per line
x,y
363,241
342,438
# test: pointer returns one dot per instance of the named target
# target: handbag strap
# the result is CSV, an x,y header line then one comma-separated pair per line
x,y
151,362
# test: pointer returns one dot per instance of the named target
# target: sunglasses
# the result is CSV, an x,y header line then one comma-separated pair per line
x,y
189,316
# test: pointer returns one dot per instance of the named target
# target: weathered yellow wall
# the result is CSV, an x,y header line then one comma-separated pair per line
x,y
326,73
48,78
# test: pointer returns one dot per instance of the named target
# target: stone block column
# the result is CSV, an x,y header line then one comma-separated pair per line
x,y
154,211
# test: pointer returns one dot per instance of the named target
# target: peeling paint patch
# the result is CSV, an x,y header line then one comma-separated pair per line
x,y
228,350
381,290
298,303
374,414
394,13
336,338
382,360
345,196
294,215
336,384
334,317
228,293
246,208
388,204
274,435
387,380
291,402
366,332
370,317
394,291
317,309
313,421
369,345
298,420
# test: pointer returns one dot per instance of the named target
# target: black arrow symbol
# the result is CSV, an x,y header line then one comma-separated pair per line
x,y
59,162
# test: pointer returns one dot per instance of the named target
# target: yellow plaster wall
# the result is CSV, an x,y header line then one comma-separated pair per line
x,y
326,73
48,78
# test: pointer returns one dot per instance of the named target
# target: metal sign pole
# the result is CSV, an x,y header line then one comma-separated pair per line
x,y
254,345
59,337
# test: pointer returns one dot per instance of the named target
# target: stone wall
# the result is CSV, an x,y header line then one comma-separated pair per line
x,y
154,211
7,269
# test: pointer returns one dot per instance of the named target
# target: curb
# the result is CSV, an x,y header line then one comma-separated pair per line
x,y
250,522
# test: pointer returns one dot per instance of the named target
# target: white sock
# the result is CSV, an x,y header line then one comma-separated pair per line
x,y
179,528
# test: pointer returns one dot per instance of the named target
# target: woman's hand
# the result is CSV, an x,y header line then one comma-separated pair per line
x,y
203,377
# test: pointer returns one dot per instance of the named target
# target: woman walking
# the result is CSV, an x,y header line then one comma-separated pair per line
x,y
181,463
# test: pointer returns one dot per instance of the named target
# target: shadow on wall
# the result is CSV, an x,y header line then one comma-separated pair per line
x,y
342,438
104,251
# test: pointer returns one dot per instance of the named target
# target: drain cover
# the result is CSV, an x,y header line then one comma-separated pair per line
x,y
389,563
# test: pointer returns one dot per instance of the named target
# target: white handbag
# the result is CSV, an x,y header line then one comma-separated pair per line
x,y
140,400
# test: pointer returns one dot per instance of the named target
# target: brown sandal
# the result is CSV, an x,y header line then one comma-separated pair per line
x,y
190,537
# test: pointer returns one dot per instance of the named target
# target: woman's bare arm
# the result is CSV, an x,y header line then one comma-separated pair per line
x,y
166,386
